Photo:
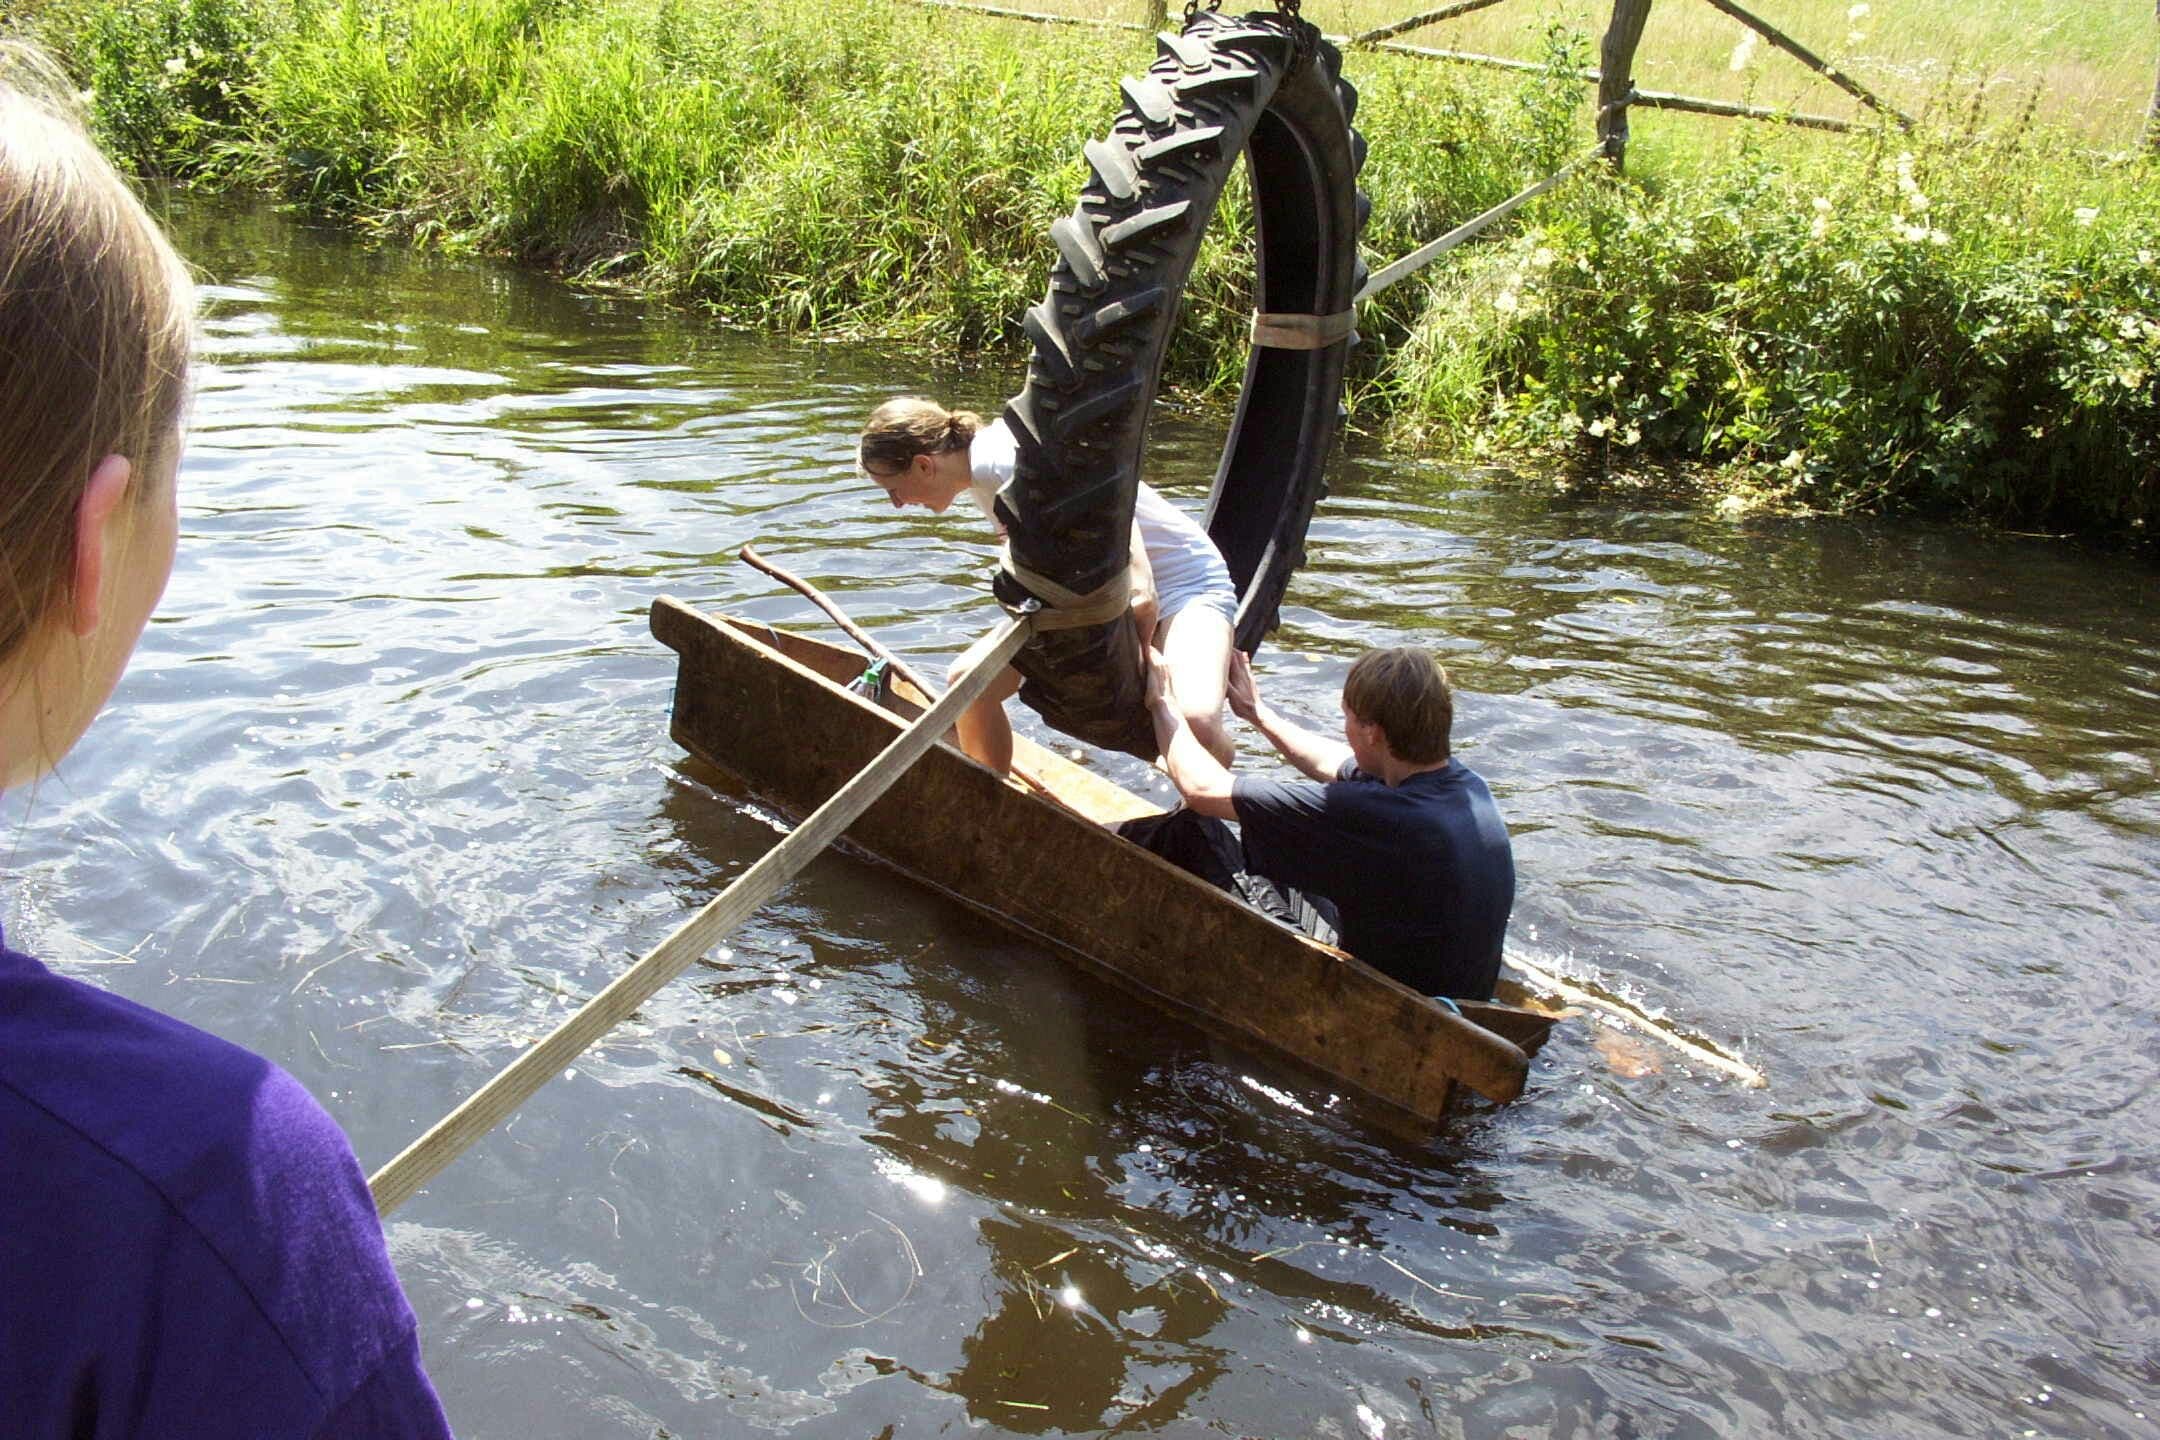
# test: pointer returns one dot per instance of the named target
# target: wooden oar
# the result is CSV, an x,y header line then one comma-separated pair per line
x,y
749,556
486,1107
1635,1018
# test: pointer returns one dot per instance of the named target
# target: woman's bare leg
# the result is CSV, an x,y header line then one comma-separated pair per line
x,y
983,731
1195,645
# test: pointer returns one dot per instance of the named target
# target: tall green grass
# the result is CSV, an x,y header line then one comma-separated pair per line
x,y
1961,318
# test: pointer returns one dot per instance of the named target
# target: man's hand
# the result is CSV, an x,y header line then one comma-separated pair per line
x,y
1241,689
1316,755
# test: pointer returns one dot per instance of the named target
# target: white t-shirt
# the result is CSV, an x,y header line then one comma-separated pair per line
x,y
1188,569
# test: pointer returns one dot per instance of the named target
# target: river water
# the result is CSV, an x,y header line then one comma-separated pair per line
x,y
389,789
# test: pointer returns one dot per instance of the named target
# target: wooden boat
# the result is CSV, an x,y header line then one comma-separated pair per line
x,y
774,708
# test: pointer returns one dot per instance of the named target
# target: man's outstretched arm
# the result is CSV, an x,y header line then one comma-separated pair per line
x,y
1319,757
1198,775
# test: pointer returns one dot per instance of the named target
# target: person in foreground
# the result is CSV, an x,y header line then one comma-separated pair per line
x,y
187,1245
1400,839
1183,600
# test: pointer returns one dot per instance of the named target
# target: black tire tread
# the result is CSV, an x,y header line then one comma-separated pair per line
x,y
1097,339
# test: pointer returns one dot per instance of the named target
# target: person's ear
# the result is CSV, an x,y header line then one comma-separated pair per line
x,y
94,529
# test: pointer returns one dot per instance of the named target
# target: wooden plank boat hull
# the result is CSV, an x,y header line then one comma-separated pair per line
x,y
772,708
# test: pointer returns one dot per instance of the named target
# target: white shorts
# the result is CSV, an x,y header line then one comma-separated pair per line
x,y
1187,567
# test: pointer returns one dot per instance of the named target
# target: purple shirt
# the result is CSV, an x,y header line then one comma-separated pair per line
x,y
187,1246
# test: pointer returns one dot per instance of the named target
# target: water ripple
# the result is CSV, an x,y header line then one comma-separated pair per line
x,y
389,790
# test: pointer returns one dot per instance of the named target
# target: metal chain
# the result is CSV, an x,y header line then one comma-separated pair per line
x,y
1305,36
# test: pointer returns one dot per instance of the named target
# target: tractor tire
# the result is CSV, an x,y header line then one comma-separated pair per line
x,y
1267,87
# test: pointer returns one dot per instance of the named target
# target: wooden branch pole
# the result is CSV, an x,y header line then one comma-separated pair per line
x,y
1469,230
1547,984
1695,105
1036,17
1465,57
1616,76
493,1102
1419,22
1640,99
871,643
749,556
1810,59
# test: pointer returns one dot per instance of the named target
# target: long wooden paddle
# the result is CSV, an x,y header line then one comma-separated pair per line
x,y
488,1106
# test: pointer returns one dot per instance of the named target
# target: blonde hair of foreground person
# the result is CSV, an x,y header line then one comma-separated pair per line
x,y
96,333
189,1247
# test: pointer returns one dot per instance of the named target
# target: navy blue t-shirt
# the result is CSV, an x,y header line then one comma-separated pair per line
x,y
187,1246
1421,873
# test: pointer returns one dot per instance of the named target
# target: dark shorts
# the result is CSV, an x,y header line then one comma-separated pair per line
x,y
1208,848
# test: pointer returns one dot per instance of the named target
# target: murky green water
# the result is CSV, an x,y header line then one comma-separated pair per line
x,y
389,789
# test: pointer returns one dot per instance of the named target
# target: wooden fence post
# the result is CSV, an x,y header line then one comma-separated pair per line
x,y
1616,75
2152,116
1158,14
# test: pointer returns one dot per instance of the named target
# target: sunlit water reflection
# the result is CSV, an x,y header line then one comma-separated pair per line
x,y
389,790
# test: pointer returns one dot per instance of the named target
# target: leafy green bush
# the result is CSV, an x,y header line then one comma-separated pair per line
x,y
1904,328
168,78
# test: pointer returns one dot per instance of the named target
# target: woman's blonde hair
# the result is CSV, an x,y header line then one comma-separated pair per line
x,y
96,331
908,426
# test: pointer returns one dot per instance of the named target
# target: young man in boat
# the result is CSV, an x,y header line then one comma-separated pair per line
x,y
1395,842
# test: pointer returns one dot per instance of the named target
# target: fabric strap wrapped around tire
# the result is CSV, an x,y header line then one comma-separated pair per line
x,y
1266,87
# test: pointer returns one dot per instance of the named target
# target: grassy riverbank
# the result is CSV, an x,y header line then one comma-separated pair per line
x,y
1966,317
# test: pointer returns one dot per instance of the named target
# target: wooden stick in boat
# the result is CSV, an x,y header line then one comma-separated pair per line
x,y
493,1102
749,556
1636,1019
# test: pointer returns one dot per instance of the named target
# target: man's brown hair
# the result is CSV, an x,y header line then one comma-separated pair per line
x,y
1405,692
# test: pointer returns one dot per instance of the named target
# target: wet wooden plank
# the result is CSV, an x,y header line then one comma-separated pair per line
x,y
774,711
1527,1028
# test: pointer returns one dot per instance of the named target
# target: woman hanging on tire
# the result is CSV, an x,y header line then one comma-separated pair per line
x,y
920,453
